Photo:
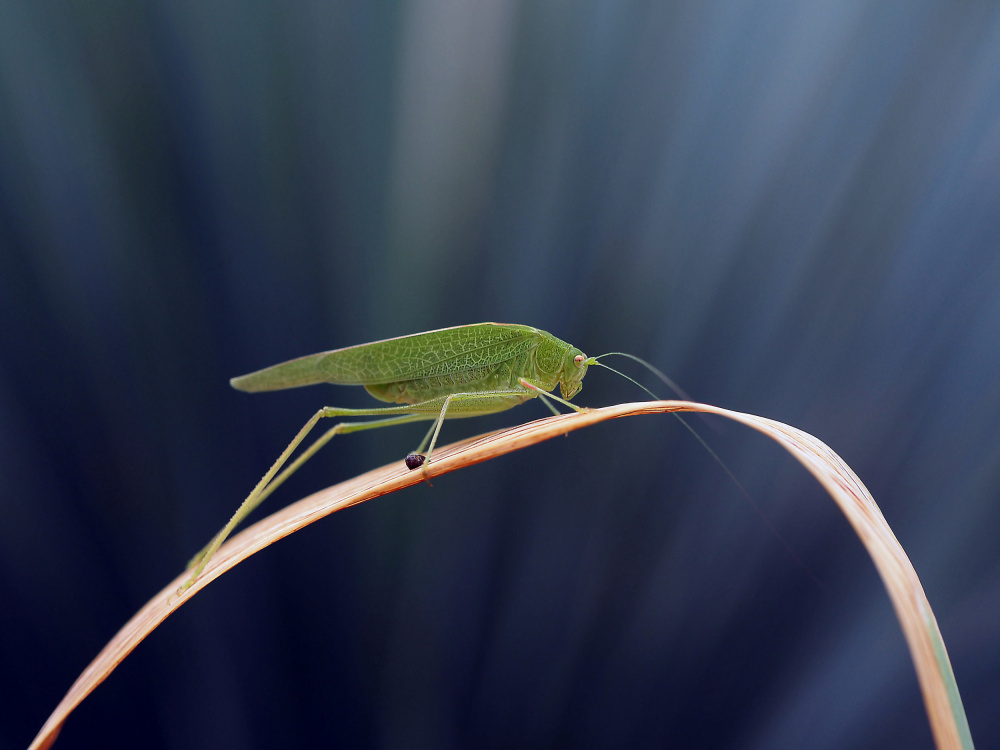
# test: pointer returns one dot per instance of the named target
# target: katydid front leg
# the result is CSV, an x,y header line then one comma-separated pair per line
x,y
545,396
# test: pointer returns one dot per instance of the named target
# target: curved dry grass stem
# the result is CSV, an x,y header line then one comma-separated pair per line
x,y
944,706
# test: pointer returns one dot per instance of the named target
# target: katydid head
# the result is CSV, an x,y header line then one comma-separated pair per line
x,y
571,375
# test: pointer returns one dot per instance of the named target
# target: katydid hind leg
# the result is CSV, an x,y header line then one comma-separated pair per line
x,y
394,415
341,428
269,482
201,559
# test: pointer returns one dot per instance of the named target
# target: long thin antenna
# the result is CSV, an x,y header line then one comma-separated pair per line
x,y
656,371
622,374
680,392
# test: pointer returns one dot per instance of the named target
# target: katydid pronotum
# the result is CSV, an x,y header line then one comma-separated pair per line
x,y
464,371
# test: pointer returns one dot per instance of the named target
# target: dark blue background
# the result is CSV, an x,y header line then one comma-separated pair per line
x,y
791,206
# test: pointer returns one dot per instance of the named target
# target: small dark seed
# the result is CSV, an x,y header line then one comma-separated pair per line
x,y
414,461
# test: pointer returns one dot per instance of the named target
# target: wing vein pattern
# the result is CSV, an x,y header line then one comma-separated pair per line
x,y
426,355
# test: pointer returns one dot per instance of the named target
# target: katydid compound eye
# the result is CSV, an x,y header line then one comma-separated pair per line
x,y
578,359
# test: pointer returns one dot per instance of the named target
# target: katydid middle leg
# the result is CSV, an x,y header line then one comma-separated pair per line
x,y
480,402
418,459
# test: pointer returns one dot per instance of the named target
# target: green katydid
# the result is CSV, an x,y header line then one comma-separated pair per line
x,y
464,371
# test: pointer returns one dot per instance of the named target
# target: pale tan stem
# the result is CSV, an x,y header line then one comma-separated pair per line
x,y
937,682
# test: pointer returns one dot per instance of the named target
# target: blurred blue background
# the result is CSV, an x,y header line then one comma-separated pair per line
x,y
791,207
